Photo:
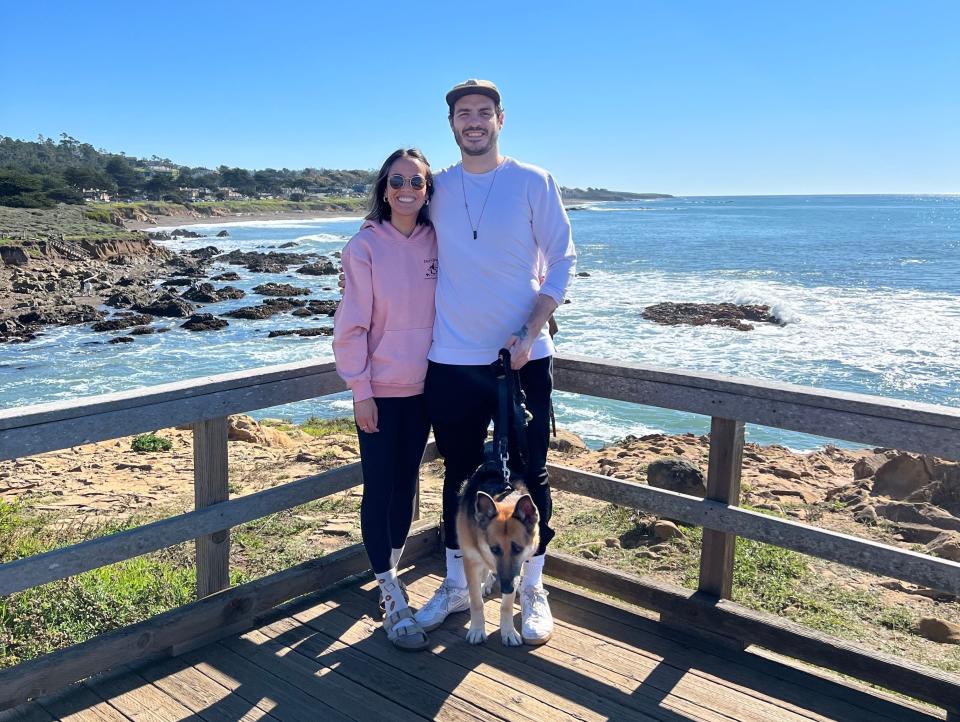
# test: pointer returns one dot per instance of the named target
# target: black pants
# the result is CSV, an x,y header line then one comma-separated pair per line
x,y
462,400
390,459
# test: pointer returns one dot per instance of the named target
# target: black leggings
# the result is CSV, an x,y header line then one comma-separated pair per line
x,y
462,401
390,459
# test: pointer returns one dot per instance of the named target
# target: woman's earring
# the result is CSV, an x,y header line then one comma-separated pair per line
x,y
385,200
426,202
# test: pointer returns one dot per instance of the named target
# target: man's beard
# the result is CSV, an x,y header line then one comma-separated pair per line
x,y
474,150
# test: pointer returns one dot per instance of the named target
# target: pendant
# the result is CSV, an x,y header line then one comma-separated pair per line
x,y
474,235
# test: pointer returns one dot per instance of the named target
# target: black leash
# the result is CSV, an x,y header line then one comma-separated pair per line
x,y
511,416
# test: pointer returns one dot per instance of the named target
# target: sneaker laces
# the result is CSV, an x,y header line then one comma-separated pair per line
x,y
439,599
536,600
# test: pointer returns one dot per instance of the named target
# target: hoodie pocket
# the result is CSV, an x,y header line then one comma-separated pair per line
x,y
401,357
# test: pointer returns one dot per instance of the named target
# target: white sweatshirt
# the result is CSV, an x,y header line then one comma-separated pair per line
x,y
488,286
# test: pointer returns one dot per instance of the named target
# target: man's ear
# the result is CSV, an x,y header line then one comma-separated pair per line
x,y
500,120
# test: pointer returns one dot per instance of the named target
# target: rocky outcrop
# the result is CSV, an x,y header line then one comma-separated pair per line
x,y
244,428
322,267
305,332
727,315
121,321
939,630
130,251
204,322
227,276
280,289
184,233
901,476
946,545
270,307
14,256
166,304
677,475
223,234
207,293
272,262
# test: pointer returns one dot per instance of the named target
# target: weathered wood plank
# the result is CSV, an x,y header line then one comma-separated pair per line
x,y
210,479
254,684
205,697
80,704
444,686
906,425
137,699
863,554
28,572
49,427
157,635
315,679
723,485
623,629
410,684
765,630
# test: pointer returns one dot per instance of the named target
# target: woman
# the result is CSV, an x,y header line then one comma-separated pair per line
x,y
382,333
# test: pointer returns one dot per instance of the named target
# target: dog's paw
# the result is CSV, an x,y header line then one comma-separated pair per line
x,y
477,636
511,638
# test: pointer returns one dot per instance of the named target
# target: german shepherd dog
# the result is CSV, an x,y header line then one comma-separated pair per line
x,y
498,530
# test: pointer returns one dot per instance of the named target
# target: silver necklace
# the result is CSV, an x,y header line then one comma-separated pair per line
x,y
463,187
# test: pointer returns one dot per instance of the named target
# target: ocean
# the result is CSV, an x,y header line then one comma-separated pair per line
x,y
867,289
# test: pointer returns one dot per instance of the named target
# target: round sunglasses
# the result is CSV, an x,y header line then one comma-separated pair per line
x,y
397,181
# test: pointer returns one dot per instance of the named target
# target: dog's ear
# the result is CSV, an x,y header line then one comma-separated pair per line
x,y
526,512
486,509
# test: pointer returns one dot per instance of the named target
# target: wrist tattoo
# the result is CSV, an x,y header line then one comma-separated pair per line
x,y
522,333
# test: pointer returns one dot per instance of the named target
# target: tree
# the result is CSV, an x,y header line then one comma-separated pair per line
x,y
126,179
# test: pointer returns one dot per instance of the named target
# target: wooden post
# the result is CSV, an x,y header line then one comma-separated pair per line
x,y
723,484
210,479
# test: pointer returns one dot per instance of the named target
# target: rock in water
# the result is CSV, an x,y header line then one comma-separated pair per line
x,y
322,267
223,234
167,304
204,322
280,289
677,475
728,315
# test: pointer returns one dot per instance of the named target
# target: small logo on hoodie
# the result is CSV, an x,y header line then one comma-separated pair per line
x,y
431,265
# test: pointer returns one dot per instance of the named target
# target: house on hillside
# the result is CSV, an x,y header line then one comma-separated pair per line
x,y
96,195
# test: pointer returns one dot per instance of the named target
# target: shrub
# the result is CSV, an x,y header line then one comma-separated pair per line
x,y
150,442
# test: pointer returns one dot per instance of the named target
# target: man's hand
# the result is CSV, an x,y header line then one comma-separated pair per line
x,y
519,345
365,414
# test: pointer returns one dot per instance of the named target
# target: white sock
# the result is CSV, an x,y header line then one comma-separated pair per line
x,y
456,577
391,593
533,572
395,557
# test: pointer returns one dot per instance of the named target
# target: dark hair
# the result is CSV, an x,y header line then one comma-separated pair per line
x,y
379,208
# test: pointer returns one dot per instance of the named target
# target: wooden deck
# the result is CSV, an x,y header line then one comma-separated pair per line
x,y
324,657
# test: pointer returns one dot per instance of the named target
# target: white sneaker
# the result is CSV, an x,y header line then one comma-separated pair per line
x,y
537,621
445,601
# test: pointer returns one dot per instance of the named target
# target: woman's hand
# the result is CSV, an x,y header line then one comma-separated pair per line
x,y
365,414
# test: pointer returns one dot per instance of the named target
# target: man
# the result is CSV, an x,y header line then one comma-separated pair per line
x,y
506,257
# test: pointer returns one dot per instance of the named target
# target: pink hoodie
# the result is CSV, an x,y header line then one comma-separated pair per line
x,y
383,327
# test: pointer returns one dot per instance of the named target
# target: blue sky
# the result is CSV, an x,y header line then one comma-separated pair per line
x,y
689,98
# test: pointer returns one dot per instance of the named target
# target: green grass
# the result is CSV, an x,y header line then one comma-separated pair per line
x,y
325,427
54,615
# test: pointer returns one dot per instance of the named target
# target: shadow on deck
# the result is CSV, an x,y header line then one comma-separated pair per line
x,y
323,657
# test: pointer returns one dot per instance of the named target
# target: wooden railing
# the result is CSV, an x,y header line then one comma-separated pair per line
x,y
219,610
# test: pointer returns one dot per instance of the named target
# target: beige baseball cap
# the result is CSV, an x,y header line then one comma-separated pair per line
x,y
472,87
